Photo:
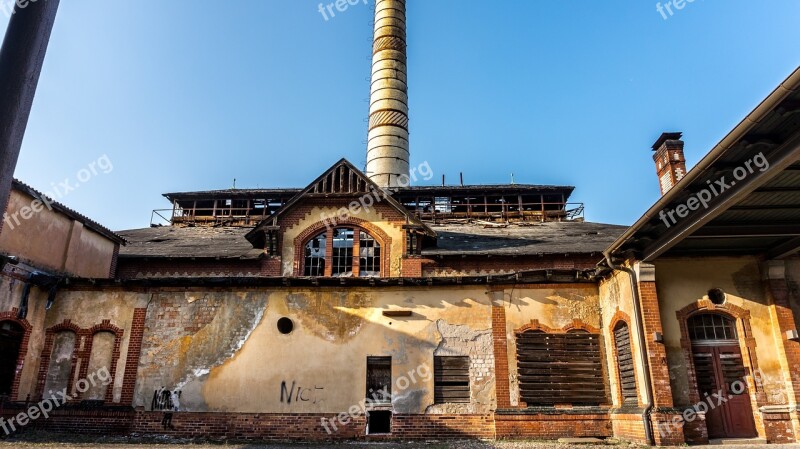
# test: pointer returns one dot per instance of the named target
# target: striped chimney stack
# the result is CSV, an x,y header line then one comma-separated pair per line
x,y
387,144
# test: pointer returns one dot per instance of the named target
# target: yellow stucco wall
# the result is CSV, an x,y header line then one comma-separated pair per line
x,y
616,296
681,282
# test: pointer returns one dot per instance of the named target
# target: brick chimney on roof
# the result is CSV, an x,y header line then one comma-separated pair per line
x,y
670,163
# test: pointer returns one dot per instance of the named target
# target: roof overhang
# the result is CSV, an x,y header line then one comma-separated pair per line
x,y
751,183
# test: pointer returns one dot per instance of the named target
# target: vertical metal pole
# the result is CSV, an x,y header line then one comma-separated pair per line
x,y
21,59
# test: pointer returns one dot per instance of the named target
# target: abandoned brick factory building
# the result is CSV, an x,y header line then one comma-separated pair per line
x,y
363,307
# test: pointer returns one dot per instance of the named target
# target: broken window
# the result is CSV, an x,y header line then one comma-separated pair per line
x,y
450,379
343,242
627,376
354,253
379,380
370,256
315,256
560,369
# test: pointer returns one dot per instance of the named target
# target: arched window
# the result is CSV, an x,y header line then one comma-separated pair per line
x,y
353,253
711,326
11,335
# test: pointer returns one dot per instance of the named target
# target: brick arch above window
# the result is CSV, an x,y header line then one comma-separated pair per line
x,y
576,325
81,352
23,347
351,222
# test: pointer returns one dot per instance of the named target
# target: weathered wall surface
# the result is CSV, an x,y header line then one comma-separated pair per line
x,y
10,298
86,309
53,241
681,282
224,350
554,307
616,297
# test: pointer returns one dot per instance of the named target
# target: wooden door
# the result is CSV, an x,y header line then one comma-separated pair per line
x,y
721,384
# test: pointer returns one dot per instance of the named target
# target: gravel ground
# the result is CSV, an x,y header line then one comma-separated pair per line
x,y
78,442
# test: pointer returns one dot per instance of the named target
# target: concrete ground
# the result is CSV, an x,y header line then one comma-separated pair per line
x,y
77,442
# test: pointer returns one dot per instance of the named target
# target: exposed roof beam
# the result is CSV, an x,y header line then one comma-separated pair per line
x,y
747,230
785,249
767,207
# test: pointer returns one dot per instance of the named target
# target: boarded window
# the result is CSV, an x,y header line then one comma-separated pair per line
x,y
60,367
560,369
627,375
451,379
379,379
100,363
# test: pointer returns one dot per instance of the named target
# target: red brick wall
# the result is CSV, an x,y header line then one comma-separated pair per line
x,y
460,265
552,426
132,359
659,370
502,386
628,427
778,427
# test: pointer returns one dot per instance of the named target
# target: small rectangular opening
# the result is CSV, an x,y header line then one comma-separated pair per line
x,y
379,380
379,421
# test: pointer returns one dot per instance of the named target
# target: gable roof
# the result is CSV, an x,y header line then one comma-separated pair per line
x,y
342,180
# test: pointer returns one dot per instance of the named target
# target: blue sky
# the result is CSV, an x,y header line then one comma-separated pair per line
x,y
189,94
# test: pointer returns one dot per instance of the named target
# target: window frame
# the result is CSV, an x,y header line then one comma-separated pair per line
x,y
378,247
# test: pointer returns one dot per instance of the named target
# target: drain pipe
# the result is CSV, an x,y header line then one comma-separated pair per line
x,y
648,387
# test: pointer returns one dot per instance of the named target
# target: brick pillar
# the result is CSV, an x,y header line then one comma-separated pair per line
x,y
132,360
502,388
656,352
774,273
657,359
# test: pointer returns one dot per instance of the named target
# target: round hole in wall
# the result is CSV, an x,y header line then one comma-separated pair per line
x,y
285,326
717,296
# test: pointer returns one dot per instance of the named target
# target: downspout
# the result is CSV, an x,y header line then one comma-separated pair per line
x,y
648,387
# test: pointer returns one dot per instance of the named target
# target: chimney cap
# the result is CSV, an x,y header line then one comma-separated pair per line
x,y
665,137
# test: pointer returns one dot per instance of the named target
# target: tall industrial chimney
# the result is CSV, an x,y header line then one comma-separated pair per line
x,y
387,144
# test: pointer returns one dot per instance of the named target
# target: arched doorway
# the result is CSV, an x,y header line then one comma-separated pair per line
x,y
11,335
721,374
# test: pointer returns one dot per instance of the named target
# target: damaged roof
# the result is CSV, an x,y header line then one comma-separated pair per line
x,y
173,242
523,240
453,240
